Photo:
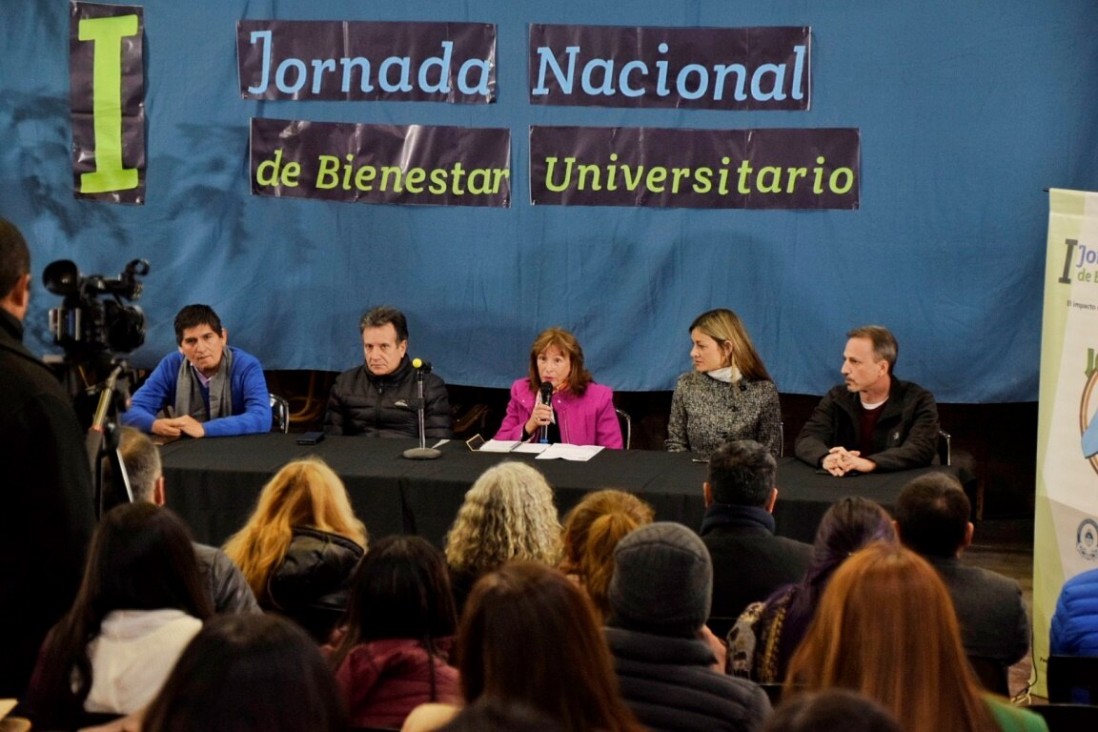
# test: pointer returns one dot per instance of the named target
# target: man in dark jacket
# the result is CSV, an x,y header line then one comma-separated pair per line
x,y
47,516
228,589
379,398
659,600
873,421
749,561
932,519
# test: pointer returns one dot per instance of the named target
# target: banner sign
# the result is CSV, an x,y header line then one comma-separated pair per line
x,y
416,164
1066,516
367,61
680,168
688,68
107,101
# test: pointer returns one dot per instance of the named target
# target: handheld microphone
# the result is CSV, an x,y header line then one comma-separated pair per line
x,y
545,391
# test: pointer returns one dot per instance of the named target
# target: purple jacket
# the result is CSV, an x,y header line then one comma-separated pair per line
x,y
583,420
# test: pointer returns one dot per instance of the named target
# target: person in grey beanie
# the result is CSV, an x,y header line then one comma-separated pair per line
x,y
659,600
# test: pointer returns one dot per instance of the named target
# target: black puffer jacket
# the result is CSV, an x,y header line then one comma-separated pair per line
x,y
310,586
670,685
385,406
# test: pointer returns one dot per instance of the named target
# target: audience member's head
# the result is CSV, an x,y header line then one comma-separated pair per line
x,y
850,524
140,558
193,316
833,710
495,715
248,672
529,635
400,590
14,270
742,473
141,458
591,531
303,493
508,514
886,628
663,581
932,515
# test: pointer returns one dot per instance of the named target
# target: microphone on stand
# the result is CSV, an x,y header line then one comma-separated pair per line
x,y
422,452
546,394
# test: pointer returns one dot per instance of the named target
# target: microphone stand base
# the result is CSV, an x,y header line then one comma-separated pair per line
x,y
422,453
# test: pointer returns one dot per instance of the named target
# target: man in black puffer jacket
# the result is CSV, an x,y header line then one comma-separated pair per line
x,y
378,399
659,600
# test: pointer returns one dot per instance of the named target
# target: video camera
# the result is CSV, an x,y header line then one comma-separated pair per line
x,y
84,325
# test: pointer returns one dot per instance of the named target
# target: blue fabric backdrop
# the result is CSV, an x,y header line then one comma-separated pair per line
x,y
967,112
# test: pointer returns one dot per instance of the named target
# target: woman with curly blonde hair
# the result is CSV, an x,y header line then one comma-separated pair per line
x,y
508,514
591,531
301,545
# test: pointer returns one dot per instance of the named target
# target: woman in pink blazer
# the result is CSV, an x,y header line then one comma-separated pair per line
x,y
559,401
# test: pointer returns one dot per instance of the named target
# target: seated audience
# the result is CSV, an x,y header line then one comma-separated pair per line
x,y
886,628
1075,622
728,396
529,636
577,411
227,587
508,514
397,634
591,531
932,515
767,633
248,672
832,710
141,602
207,389
873,421
301,545
659,600
379,398
749,561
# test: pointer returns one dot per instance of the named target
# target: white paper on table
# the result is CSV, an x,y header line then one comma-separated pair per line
x,y
533,448
440,443
499,446
562,451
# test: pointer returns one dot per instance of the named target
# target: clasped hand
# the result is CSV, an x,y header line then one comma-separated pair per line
x,y
839,461
540,417
176,426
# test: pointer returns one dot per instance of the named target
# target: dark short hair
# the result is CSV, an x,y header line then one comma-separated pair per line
x,y
742,473
383,315
824,711
141,459
14,256
248,672
193,316
884,343
932,512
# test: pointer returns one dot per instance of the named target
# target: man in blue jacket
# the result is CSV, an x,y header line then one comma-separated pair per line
x,y
207,389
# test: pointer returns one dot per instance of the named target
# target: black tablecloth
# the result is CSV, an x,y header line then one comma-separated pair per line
x,y
213,483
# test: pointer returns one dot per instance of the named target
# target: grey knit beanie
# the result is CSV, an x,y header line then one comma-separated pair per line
x,y
663,581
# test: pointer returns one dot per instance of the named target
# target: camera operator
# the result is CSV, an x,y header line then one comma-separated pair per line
x,y
207,389
47,516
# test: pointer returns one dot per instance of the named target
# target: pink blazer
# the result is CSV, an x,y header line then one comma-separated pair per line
x,y
583,420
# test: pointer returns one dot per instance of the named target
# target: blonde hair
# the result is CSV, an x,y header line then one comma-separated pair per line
x,y
507,514
303,493
725,327
591,531
886,628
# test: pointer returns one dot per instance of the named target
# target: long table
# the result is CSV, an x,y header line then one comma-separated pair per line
x,y
213,483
